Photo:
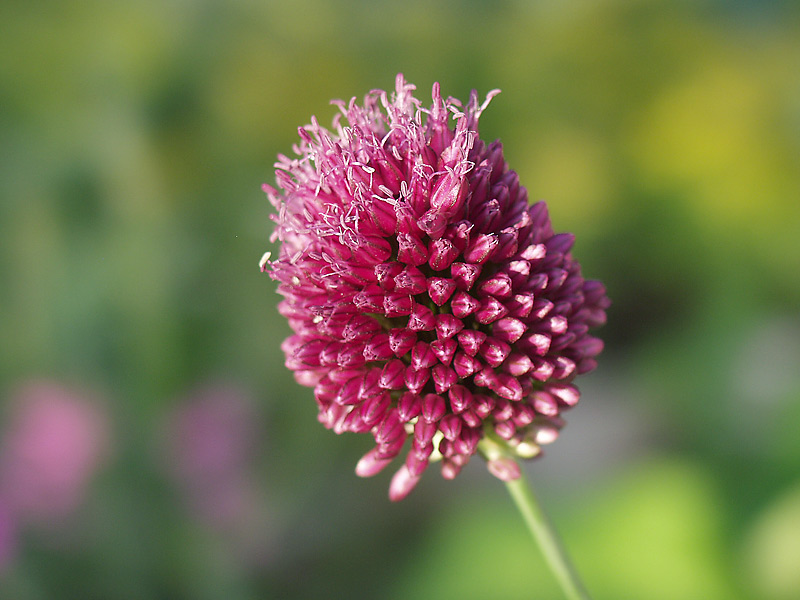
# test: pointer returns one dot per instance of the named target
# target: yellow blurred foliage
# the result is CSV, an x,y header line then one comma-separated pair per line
x,y
772,551
711,138
571,170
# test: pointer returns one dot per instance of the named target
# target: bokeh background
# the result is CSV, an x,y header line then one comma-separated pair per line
x,y
153,446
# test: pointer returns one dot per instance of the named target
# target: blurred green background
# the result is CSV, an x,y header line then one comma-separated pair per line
x,y
134,137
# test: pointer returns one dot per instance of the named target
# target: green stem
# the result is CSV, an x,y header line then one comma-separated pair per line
x,y
545,535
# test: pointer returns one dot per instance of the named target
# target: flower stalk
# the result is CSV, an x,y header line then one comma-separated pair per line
x,y
544,533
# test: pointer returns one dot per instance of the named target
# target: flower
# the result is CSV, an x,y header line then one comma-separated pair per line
x,y
56,440
210,442
428,299
210,445
8,538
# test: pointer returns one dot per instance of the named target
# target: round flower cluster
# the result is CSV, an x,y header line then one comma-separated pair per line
x,y
428,299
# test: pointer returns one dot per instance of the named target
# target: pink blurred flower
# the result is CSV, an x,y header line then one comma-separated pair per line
x,y
7,537
429,301
211,440
55,439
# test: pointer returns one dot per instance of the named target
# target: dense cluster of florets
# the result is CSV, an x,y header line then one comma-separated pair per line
x,y
428,299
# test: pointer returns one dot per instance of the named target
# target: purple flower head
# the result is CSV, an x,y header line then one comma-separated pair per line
x,y
429,301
